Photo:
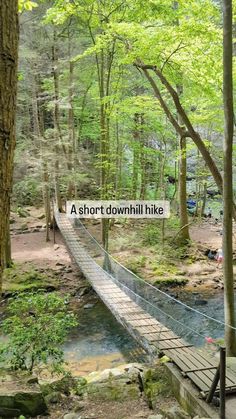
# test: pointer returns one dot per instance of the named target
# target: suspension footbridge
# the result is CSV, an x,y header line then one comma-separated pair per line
x,y
125,299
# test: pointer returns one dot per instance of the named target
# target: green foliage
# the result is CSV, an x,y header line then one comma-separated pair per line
x,y
36,328
151,235
22,212
136,264
163,269
156,384
26,5
27,192
171,282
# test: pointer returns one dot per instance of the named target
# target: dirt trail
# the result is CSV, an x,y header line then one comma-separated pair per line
x,y
32,247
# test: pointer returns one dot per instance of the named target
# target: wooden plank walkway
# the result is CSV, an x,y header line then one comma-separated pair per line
x,y
153,336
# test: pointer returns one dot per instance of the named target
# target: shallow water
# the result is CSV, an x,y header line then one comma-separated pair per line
x,y
193,326
100,342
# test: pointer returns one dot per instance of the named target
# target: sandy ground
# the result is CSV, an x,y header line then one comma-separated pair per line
x,y
32,247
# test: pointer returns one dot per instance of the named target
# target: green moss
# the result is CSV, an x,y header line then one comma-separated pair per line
x,y
17,279
65,385
171,282
112,390
162,269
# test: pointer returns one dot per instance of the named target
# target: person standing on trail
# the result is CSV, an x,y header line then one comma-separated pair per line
x,y
219,257
209,212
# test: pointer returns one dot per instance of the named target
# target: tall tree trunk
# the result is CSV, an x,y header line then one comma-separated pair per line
x,y
9,39
228,179
39,135
183,215
46,198
183,212
136,156
118,172
57,130
72,187
204,198
103,148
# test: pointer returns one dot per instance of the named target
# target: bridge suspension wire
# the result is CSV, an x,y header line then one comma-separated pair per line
x,y
156,308
152,286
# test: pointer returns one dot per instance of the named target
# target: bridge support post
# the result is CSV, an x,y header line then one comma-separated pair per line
x,y
219,376
213,386
222,381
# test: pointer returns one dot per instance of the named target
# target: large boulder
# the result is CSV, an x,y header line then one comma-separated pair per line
x,y
120,383
20,395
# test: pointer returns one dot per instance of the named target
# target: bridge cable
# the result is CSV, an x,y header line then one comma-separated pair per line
x,y
155,288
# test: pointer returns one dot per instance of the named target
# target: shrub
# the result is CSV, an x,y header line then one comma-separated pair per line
x,y
36,328
151,235
136,264
27,192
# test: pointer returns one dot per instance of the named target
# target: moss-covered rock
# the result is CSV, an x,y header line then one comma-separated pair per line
x,y
64,385
20,278
53,398
119,383
18,395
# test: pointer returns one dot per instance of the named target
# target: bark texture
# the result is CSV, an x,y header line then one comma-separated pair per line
x,y
228,179
9,38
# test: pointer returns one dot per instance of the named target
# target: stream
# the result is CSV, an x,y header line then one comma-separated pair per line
x,y
101,342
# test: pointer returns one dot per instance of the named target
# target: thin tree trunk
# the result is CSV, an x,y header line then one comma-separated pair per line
x,y
46,199
8,260
143,165
9,39
103,150
136,155
204,199
183,212
183,215
228,179
118,172
39,135
57,130
72,187
163,191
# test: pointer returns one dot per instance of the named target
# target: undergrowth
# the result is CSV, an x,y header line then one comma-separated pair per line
x,y
19,278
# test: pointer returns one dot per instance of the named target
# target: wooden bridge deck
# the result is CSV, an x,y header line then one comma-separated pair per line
x,y
153,336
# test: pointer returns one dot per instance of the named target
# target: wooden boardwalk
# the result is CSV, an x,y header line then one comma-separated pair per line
x,y
153,336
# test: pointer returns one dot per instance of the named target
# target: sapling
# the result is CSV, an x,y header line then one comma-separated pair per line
x,y
35,330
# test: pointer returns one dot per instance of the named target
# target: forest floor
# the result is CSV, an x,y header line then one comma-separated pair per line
x,y
137,247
